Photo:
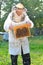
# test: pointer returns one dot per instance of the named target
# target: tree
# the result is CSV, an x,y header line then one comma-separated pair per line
x,y
7,6
34,9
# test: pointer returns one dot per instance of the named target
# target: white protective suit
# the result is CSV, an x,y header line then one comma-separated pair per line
x,y
15,44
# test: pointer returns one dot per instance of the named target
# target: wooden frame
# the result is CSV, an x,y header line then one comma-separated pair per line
x,y
22,30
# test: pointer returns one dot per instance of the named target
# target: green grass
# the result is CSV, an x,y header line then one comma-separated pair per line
x,y
36,52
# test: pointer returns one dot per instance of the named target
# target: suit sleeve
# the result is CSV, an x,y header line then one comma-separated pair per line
x,y
27,19
7,23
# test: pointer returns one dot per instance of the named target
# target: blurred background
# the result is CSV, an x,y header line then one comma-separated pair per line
x,y
35,13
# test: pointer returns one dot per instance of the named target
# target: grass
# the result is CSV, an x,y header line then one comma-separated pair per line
x,y
36,52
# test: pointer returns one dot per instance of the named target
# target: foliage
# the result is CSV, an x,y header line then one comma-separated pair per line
x,y
34,10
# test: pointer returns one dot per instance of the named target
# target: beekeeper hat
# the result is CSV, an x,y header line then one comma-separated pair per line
x,y
19,5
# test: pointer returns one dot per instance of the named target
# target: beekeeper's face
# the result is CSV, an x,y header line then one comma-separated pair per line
x,y
19,11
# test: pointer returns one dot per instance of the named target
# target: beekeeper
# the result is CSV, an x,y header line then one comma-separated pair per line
x,y
16,17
